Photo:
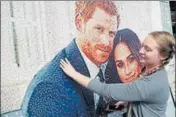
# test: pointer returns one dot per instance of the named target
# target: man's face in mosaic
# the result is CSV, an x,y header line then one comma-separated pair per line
x,y
97,36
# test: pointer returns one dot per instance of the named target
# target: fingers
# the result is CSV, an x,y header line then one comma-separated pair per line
x,y
117,105
61,66
64,63
67,61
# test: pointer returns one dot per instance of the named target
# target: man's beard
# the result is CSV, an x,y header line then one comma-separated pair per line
x,y
91,52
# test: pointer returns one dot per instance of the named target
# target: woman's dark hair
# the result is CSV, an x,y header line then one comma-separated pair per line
x,y
130,38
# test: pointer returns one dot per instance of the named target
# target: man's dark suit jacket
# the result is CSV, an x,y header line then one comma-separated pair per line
x,y
53,94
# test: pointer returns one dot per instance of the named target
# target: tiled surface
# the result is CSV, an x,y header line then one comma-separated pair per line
x,y
16,113
170,111
12,94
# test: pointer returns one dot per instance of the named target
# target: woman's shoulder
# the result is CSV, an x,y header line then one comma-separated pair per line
x,y
157,78
158,74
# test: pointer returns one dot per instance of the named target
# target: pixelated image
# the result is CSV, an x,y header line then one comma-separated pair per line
x,y
99,38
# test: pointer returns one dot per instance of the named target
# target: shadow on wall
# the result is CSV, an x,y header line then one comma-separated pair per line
x,y
16,113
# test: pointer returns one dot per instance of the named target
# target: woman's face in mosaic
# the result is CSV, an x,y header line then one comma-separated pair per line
x,y
127,66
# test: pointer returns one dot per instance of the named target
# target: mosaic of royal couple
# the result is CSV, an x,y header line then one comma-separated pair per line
x,y
99,49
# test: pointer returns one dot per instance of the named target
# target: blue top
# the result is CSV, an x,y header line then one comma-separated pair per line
x,y
52,93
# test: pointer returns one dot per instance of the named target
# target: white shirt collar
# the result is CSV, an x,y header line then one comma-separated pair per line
x,y
92,67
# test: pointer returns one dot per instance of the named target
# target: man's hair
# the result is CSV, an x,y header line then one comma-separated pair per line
x,y
86,8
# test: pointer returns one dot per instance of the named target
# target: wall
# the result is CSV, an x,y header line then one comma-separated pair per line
x,y
34,31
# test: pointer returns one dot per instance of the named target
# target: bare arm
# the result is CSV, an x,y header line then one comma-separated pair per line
x,y
70,71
